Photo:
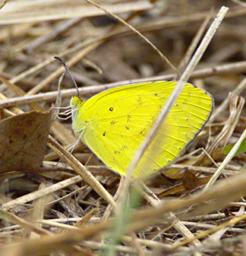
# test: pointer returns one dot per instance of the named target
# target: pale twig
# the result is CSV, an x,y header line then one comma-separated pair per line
x,y
36,11
243,4
188,20
210,231
43,64
76,58
118,18
166,22
60,223
40,193
10,217
3,3
237,104
202,169
205,225
194,43
237,91
166,108
63,221
81,170
228,158
226,191
230,68
177,224
218,197
178,88
108,210
60,28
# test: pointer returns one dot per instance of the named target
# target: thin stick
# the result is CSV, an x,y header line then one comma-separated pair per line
x,y
10,217
75,59
239,2
227,190
236,67
60,28
194,43
210,231
118,18
228,158
40,193
171,100
177,224
237,91
165,110
81,170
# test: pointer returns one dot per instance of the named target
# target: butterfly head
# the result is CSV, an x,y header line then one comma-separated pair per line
x,y
76,104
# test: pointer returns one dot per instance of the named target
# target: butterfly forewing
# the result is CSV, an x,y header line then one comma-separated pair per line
x,y
119,119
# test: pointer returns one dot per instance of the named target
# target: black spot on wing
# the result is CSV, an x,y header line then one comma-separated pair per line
x,y
113,122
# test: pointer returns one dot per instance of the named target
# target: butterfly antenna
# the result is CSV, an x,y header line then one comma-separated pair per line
x,y
67,71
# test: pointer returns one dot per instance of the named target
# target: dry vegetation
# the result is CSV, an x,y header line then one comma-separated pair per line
x,y
57,203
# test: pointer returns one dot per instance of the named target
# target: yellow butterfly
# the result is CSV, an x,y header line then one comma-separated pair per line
x,y
114,123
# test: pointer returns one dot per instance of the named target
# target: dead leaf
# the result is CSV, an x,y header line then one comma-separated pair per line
x,y
190,181
23,140
173,173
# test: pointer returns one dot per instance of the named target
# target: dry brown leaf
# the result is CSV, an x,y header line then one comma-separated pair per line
x,y
173,173
23,140
189,182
